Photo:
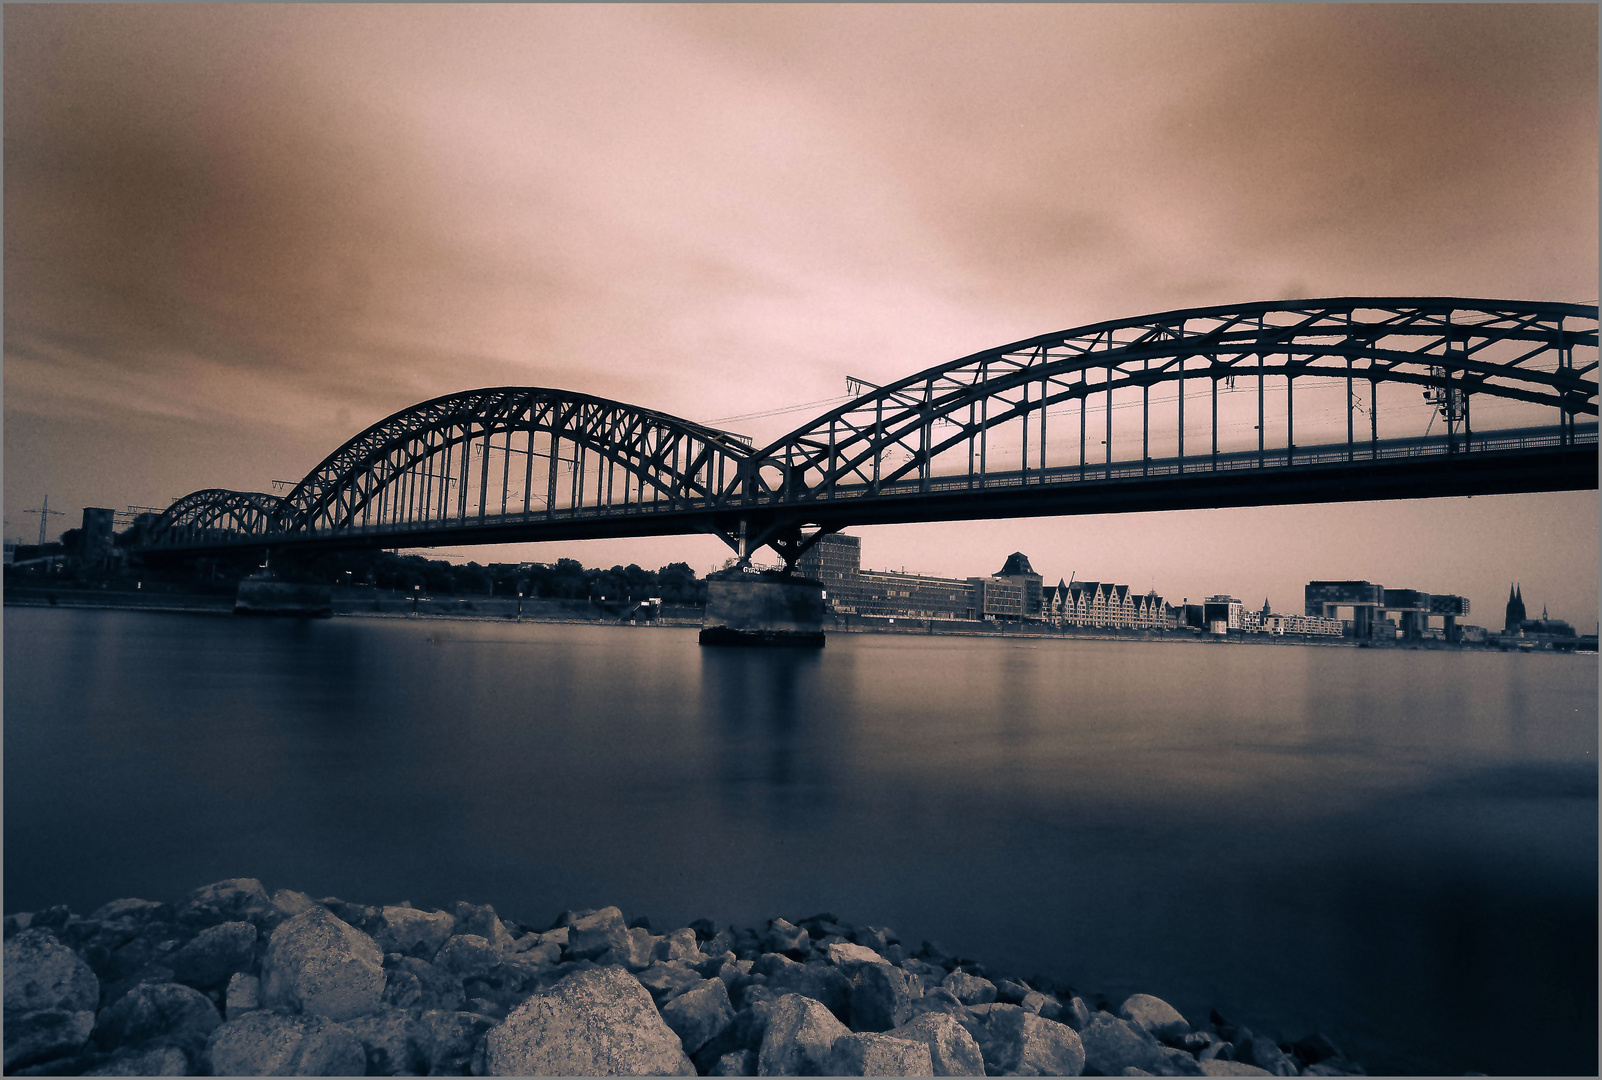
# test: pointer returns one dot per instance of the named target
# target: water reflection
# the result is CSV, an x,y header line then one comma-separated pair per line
x,y
772,741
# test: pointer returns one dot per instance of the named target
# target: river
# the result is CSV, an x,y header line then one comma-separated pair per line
x,y
1397,848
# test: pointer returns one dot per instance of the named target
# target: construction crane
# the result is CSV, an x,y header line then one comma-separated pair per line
x,y
43,512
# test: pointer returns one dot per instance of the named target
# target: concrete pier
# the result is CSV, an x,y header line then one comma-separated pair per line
x,y
261,596
763,609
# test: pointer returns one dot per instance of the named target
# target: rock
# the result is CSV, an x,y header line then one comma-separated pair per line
x,y
557,936
1217,1067
872,1054
734,1063
635,951
1315,1048
952,1051
411,983
1076,1014
170,1012
799,1039
414,933
132,911
271,1044
1266,1054
599,1022
665,982
216,953
679,945
786,938
393,1041
938,1000
1036,1002
881,997
1110,1044
42,973
1010,991
243,995
700,1014
1018,1043
289,903
234,900
970,989
877,938
844,954
480,919
467,956
820,981
317,963
1154,1015
1337,1067
145,1061
449,1039
593,935
42,1034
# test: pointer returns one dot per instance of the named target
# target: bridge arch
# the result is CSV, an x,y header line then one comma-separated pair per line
x,y
1536,356
217,513
451,461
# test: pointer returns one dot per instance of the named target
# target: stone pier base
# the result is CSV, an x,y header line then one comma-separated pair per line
x,y
261,597
763,609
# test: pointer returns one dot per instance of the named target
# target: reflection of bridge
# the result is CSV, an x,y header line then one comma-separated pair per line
x,y
1285,401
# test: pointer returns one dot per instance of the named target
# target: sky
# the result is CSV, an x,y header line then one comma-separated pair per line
x,y
236,235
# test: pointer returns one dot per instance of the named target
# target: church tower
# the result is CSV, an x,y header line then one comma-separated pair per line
x,y
1515,609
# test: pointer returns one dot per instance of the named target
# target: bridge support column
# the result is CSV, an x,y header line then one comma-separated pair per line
x,y
763,609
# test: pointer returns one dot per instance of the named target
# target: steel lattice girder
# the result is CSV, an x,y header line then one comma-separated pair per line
x,y
1422,341
217,510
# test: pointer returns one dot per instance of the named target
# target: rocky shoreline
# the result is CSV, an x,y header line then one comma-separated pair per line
x,y
234,981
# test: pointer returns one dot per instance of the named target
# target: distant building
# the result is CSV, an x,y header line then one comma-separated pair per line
x,y
835,561
1515,609
1018,571
1312,625
1223,614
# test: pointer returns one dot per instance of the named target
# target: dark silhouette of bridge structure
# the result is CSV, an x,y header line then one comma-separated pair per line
x,y
1261,404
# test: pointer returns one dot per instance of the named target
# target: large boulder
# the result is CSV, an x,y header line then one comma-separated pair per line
x,y
634,951
667,981
816,979
411,983
45,1034
216,953
1155,1016
271,1044
467,956
449,1039
845,954
593,935
873,1054
681,945
132,910
413,933
145,1061
591,1023
1112,1045
229,901
952,1051
317,963
168,1012
882,997
1220,1067
1263,1052
786,938
480,919
970,989
394,1041
42,973
700,1014
799,1039
1016,1042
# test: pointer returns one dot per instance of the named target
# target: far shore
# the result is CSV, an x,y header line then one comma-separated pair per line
x,y
581,613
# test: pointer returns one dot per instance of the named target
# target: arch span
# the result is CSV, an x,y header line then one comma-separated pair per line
x,y
214,513
512,453
1052,400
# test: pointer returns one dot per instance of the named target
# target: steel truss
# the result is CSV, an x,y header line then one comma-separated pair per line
x,y
521,463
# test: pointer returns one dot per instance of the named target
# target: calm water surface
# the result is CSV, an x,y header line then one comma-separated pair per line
x,y
1397,848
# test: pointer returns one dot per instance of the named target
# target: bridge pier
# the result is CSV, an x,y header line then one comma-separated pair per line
x,y
763,609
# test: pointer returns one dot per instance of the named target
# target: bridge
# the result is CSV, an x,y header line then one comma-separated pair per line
x,y
1261,404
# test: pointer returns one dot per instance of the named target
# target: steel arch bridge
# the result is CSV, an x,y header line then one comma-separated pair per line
x,y
1261,404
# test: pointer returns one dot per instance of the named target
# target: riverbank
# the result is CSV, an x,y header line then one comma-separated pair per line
x,y
582,612
233,981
